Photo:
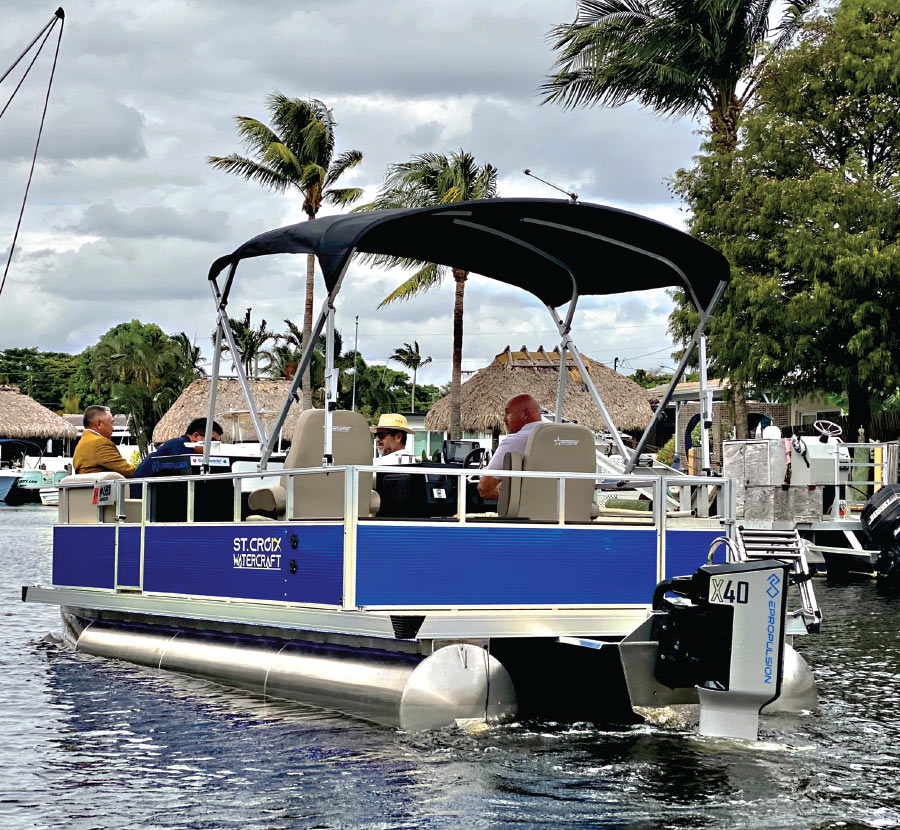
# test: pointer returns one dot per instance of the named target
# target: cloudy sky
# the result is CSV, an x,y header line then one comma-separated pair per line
x,y
125,215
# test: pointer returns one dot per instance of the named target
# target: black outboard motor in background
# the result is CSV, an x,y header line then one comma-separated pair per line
x,y
881,520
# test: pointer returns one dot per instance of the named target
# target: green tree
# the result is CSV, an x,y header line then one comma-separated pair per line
x,y
295,153
43,376
379,389
678,57
435,179
250,342
649,379
807,212
145,370
193,357
408,355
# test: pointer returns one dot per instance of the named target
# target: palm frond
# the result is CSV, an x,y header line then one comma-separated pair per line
x,y
312,176
791,21
343,196
282,155
254,134
344,162
428,276
250,170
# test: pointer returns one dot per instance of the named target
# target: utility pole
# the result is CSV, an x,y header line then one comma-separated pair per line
x,y
615,364
355,347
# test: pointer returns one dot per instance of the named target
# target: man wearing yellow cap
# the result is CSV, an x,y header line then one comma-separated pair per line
x,y
390,440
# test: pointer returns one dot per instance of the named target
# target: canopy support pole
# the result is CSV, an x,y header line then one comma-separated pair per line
x,y
679,372
225,326
330,387
561,384
327,307
705,412
213,391
568,345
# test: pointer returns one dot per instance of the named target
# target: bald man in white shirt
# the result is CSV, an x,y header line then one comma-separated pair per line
x,y
522,412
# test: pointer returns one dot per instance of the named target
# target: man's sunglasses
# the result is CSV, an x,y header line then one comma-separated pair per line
x,y
382,434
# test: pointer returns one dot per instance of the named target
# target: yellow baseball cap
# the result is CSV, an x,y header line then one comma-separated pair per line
x,y
394,422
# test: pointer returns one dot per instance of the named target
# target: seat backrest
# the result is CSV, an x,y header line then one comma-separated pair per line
x,y
76,496
321,495
563,448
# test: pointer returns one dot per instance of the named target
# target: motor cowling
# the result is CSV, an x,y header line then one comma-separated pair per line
x,y
880,519
721,630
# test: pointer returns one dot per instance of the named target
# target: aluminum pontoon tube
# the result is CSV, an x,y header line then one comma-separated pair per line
x,y
459,681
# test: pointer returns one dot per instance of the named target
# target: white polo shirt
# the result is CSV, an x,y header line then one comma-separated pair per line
x,y
512,443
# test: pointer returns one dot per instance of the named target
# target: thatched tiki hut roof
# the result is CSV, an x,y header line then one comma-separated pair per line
x,y
23,417
232,411
485,394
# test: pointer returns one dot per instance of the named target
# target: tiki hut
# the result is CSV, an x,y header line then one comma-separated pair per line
x,y
23,417
232,411
484,395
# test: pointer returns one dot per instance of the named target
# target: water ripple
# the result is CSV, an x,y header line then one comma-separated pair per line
x,y
92,743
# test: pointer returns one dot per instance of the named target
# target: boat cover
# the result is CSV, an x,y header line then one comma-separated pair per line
x,y
541,245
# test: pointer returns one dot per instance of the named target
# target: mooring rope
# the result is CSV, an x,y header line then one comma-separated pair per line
x,y
61,17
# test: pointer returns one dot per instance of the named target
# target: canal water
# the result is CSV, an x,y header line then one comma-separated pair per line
x,y
87,743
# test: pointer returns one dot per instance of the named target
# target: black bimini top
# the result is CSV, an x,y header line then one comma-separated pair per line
x,y
550,247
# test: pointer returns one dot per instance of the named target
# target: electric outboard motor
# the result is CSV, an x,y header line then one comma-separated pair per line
x,y
881,520
723,633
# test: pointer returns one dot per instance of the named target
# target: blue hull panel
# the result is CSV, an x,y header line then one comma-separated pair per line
x,y
483,565
84,556
397,565
248,561
686,550
129,561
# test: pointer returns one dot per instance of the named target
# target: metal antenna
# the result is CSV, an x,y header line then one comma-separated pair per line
x,y
573,197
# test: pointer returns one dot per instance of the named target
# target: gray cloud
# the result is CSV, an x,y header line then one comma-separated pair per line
x,y
106,220
144,93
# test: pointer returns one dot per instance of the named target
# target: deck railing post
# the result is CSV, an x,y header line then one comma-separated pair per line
x,y
236,500
561,499
351,519
289,497
191,495
659,510
461,498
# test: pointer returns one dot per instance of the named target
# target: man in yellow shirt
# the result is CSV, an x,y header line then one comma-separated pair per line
x,y
95,452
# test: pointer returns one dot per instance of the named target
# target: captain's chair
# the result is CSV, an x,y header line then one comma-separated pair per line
x,y
562,448
321,495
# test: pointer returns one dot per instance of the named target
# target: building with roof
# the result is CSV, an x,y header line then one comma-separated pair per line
x,y
536,372
232,411
23,418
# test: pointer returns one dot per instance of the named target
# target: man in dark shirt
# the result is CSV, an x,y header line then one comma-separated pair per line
x,y
195,434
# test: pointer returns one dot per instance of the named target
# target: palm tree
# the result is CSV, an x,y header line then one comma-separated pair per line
x,y
250,342
435,179
145,370
410,357
678,57
193,357
295,153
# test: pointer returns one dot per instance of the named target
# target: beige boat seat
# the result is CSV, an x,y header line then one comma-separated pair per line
x,y
563,448
321,495
76,495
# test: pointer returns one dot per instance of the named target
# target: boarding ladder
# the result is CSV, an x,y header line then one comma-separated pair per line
x,y
787,546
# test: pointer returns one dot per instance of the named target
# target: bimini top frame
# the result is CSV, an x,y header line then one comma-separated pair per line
x,y
552,248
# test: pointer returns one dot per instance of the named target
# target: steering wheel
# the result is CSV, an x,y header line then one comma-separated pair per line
x,y
477,459
828,429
